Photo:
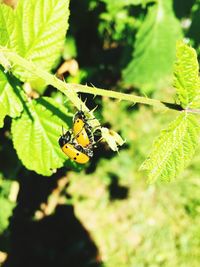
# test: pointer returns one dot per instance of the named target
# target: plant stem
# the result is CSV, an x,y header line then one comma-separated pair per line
x,y
70,90
122,96
50,79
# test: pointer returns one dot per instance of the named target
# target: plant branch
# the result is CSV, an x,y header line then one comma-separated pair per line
x,y
122,96
70,90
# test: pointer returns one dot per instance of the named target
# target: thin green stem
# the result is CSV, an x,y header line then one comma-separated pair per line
x,y
113,94
122,96
70,90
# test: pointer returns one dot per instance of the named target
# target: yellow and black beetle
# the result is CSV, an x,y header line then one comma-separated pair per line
x,y
73,150
82,130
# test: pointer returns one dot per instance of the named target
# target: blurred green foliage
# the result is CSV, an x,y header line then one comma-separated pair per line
x,y
5,203
125,46
135,224
154,46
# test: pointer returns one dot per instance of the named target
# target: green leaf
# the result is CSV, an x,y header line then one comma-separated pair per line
x,y
6,24
5,213
36,134
6,203
173,149
37,32
10,97
186,76
154,54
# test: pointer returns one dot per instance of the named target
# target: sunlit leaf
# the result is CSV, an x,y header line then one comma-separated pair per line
x,y
173,149
35,30
36,134
7,21
10,102
186,76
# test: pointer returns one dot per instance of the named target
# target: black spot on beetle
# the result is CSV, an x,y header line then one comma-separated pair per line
x,y
74,158
77,154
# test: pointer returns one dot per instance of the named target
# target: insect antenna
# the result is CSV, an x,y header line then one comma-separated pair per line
x,y
62,130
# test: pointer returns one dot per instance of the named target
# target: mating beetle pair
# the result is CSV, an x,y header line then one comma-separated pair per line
x,y
78,145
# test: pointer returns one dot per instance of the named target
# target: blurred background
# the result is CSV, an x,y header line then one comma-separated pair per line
x,y
105,214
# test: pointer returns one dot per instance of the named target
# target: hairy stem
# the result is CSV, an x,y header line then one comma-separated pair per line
x,y
122,96
70,90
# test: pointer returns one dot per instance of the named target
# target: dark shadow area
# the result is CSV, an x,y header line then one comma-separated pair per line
x,y
182,8
9,162
102,64
173,106
101,151
83,26
116,191
56,240
193,32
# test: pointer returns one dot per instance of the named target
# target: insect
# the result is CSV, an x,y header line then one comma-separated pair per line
x,y
73,150
82,130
